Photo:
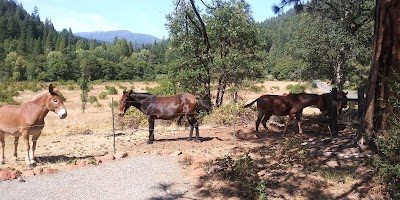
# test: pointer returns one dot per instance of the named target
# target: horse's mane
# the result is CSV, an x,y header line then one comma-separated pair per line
x,y
40,95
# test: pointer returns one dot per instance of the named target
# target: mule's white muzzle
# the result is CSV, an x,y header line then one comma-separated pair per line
x,y
62,113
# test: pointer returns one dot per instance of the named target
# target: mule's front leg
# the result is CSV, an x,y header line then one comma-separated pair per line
x,y
27,148
15,156
3,144
32,152
151,131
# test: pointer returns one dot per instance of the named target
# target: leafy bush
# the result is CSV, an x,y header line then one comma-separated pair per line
x,y
224,115
111,90
134,119
165,88
298,88
242,172
92,99
102,95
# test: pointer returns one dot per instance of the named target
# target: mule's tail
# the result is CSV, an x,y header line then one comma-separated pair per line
x,y
205,106
250,104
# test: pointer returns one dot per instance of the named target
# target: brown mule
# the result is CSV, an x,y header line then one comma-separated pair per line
x,y
28,119
163,107
292,105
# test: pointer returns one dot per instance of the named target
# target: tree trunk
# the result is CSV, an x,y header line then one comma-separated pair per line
x,y
340,65
384,68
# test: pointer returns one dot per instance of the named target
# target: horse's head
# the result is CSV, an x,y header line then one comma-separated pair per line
x,y
55,103
125,102
342,104
325,102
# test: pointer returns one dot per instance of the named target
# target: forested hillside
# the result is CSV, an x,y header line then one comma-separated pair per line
x,y
31,49
291,46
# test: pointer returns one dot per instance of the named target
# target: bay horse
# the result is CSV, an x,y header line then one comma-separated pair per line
x,y
28,119
292,105
163,107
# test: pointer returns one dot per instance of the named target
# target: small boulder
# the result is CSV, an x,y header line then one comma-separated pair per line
x,y
5,174
120,155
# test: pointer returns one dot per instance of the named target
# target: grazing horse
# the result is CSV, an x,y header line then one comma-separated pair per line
x,y
167,108
28,119
292,105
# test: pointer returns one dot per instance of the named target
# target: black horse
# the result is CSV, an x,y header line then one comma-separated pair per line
x,y
160,107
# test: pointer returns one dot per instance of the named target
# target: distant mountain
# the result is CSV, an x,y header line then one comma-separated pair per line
x,y
108,36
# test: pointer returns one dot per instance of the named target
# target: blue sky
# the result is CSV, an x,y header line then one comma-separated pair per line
x,y
138,16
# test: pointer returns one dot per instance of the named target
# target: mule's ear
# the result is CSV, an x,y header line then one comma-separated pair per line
x,y
51,89
130,92
124,92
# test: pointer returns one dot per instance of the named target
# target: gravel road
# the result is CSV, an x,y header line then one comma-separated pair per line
x,y
143,177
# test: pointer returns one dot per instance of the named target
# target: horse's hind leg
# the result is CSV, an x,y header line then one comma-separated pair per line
x,y
15,156
194,124
3,144
259,118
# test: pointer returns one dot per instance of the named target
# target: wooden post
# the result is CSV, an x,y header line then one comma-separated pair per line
x,y
361,110
333,113
113,124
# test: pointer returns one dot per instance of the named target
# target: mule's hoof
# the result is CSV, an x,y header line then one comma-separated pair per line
x,y
257,135
189,139
149,142
2,162
196,140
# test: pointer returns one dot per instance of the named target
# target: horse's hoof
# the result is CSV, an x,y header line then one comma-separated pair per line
x,y
149,142
2,162
189,139
257,135
196,140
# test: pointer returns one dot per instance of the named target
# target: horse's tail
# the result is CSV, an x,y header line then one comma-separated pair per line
x,y
250,104
205,106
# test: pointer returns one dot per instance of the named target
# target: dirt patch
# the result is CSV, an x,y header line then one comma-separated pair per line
x,y
293,166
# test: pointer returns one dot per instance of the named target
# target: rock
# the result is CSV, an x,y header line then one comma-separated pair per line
x,y
28,173
15,174
332,163
107,157
50,171
120,155
38,170
177,153
5,174
81,162
71,167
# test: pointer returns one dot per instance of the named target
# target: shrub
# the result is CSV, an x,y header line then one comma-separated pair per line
x,y
298,88
92,99
165,88
134,118
111,90
242,172
102,95
224,115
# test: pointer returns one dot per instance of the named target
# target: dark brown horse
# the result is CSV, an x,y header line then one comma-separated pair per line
x,y
167,108
292,105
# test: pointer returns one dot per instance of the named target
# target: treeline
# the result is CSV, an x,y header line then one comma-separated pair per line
x,y
33,50
316,44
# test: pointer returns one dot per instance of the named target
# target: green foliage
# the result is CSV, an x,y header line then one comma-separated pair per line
x,y
298,88
224,115
388,164
243,173
134,119
111,90
337,174
114,104
164,88
103,95
92,99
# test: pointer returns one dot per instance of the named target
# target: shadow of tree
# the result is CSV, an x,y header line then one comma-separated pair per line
x,y
167,188
305,166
